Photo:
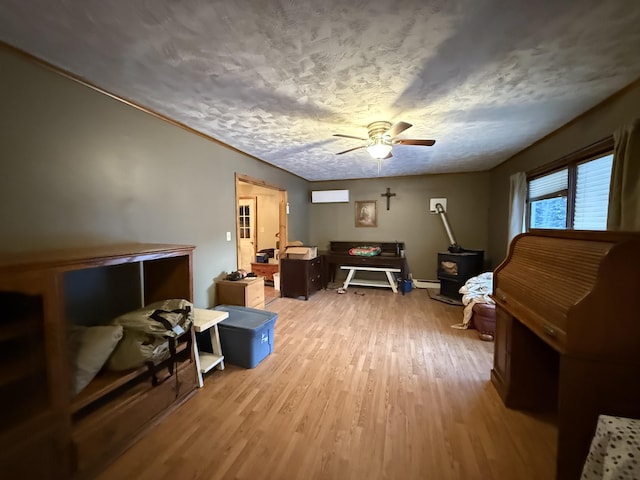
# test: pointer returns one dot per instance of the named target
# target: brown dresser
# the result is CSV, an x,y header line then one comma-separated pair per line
x,y
300,278
567,334
247,293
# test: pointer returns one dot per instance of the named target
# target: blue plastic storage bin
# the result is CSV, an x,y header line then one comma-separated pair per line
x,y
246,337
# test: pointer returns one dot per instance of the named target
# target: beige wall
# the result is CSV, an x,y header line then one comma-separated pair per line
x,y
408,219
595,125
79,167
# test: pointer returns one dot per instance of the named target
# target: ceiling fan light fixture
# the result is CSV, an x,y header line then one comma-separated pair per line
x,y
379,149
382,136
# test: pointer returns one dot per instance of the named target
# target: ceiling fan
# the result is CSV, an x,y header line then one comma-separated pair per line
x,y
382,137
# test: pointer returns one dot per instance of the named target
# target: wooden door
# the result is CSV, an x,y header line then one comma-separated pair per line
x,y
246,232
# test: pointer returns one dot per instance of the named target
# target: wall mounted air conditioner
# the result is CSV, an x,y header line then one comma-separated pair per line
x,y
329,196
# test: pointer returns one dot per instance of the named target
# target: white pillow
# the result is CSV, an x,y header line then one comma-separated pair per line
x,y
91,347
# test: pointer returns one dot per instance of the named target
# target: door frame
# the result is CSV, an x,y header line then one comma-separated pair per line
x,y
283,226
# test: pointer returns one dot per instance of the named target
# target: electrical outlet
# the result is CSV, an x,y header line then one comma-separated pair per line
x,y
228,236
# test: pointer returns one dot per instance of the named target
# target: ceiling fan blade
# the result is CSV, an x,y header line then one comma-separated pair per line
x,y
349,136
409,141
351,149
388,156
397,128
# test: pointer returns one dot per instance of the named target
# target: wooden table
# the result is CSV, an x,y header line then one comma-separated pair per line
x,y
208,320
265,270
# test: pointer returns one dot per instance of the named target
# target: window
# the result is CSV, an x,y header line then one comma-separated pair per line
x,y
573,192
548,200
244,220
592,194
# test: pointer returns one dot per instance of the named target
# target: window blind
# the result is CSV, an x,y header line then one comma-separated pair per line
x,y
592,194
549,184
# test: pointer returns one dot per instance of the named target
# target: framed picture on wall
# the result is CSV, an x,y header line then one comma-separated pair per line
x,y
366,213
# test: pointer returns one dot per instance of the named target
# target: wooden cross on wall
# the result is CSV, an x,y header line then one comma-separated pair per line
x,y
388,195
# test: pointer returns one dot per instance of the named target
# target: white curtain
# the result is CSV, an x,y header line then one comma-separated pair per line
x,y
624,196
517,205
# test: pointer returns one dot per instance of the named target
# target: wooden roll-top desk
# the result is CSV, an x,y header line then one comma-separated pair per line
x,y
568,332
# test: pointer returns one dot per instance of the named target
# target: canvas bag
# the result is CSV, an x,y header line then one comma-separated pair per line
x,y
150,333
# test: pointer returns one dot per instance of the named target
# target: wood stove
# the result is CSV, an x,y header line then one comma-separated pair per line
x,y
455,268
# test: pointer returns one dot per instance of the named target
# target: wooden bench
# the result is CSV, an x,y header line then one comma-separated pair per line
x,y
338,255
390,283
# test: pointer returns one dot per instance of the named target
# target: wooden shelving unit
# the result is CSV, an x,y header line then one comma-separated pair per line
x,y
49,433
104,383
17,329
32,426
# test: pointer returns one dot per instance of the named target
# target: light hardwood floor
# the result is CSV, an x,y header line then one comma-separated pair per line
x,y
359,387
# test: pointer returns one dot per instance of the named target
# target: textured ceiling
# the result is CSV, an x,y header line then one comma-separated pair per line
x,y
276,78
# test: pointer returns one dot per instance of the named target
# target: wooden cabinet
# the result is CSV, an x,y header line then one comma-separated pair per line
x,y
500,373
47,431
567,334
34,425
514,346
300,278
265,270
247,293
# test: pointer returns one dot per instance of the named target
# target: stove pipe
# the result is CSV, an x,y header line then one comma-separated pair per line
x,y
453,247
